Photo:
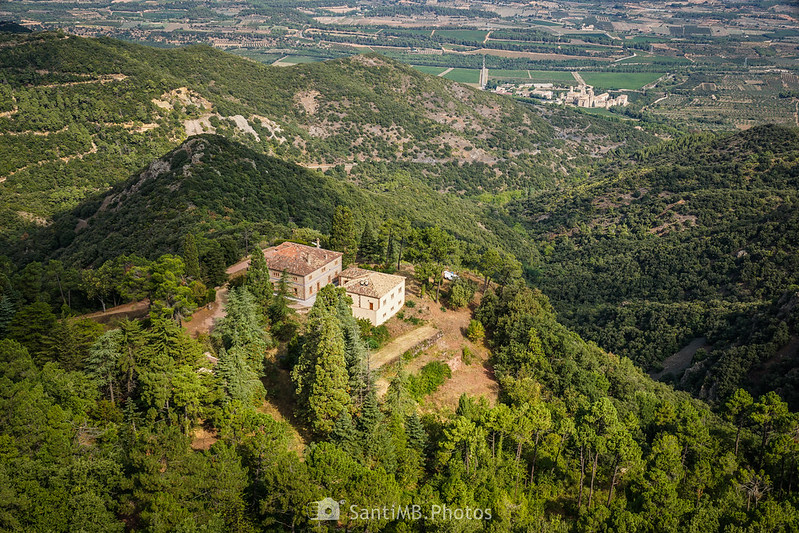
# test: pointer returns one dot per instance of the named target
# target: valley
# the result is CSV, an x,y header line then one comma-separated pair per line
x,y
598,318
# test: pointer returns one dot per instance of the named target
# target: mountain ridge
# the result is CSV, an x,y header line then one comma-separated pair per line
x,y
72,106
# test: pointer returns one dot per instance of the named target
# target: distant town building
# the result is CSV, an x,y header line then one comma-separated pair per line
x,y
375,296
308,269
583,96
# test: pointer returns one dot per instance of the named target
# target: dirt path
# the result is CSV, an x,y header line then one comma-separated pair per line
x,y
106,78
33,132
579,78
65,159
203,320
394,349
681,360
442,74
628,57
6,114
129,310
475,379
327,166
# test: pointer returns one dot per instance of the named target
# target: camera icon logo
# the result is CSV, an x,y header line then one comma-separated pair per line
x,y
325,509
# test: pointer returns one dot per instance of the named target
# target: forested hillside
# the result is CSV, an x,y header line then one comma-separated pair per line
x,y
80,115
137,176
214,187
690,239
99,428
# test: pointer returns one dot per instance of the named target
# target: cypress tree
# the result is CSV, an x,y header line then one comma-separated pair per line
x,y
258,279
191,257
369,247
342,235
320,375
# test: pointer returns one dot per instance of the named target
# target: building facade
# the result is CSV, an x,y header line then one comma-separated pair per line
x,y
375,296
307,269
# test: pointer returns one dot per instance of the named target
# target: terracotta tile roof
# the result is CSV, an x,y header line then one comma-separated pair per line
x,y
368,282
298,259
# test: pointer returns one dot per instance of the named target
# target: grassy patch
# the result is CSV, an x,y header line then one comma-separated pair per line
x,y
545,23
620,80
428,380
464,75
505,74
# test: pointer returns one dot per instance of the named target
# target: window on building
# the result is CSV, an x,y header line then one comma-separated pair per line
x,y
295,291
371,306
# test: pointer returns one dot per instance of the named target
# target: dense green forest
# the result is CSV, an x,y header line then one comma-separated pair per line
x,y
696,238
99,424
592,269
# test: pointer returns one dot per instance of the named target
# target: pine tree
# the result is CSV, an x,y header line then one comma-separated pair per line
x,y
191,256
374,435
239,379
417,436
103,361
342,235
344,433
335,300
243,326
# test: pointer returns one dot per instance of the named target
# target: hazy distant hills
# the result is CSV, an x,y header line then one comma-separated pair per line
x,y
79,115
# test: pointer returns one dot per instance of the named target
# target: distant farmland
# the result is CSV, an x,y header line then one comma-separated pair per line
x,y
464,75
620,80
463,35
534,76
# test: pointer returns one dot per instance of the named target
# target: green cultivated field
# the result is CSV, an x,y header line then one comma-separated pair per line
x,y
619,80
506,74
464,75
466,35
545,76
434,71
533,76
